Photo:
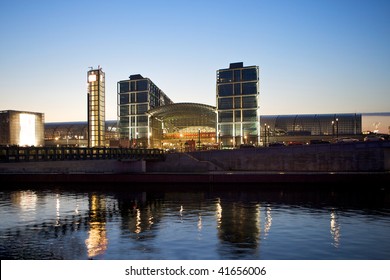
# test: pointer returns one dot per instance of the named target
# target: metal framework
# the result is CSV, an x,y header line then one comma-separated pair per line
x,y
178,116
26,154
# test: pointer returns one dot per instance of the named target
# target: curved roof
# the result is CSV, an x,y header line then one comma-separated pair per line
x,y
54,129
316,124
177,116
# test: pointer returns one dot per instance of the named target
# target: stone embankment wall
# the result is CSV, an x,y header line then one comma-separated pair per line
x,y
346,157
74,167
351,157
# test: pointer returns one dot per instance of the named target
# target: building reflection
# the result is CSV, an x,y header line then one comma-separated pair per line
x,y
58,216
218,213
97,240
146,225
239,226
139,212
267,221
26,200
335,228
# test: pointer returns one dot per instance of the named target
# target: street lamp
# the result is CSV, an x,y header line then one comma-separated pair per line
x,y
219,139
268,134
199,139
333,128
181,144
337,128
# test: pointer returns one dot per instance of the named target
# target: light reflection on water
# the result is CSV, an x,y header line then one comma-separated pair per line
x,y
57,223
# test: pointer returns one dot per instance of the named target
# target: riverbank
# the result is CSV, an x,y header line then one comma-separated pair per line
x,y
366,180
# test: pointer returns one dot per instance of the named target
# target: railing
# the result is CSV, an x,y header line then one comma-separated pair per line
x,y
25,154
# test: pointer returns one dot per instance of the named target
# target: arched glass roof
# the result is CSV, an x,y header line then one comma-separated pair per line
x,y
178,116
313,124
70,129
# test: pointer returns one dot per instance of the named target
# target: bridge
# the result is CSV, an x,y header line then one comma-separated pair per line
x,y
31,154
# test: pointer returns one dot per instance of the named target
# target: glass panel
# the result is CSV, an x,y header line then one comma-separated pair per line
x,y
142,85
237,102
225,103
132,86
225,90
142,97
123,87
225,76
250,129
142,108
226,130
237,116
237,128
124,98
249,116
142,120
249,88
237,89
249,74
249,102
237,75
124,110
226,116
123,121
132,109
132,97
132,132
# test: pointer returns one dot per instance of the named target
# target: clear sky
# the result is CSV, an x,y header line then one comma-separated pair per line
x,y
322,56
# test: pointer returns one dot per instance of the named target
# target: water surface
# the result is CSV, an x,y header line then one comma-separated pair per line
x,y
63,222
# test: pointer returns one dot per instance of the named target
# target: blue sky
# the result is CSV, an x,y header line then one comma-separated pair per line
x,y
314,56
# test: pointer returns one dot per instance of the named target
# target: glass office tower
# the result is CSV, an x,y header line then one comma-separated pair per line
x,y
135,97
96,107
238,105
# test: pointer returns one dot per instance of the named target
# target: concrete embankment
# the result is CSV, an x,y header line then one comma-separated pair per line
x,y
364,163
347,157
237,180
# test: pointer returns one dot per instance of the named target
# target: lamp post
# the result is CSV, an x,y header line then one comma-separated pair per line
x,y
180,143
199,139
337,128
268,134
219,139
333,128
265,135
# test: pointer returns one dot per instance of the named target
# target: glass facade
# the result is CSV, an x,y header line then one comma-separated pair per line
x,y
96,108
136,96
21,128
238,105
75,134
311,126
186,126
